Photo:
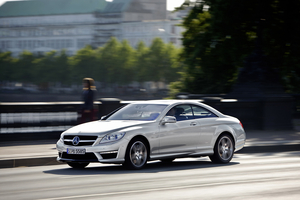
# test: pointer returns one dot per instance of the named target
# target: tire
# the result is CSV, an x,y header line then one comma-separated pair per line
x,y
223,150
78,165
136,154
167,161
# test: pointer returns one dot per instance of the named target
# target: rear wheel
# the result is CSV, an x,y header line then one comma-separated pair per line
x,y
78,165
136,154
223,149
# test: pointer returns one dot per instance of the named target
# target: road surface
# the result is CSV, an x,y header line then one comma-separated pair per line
x,y
248,176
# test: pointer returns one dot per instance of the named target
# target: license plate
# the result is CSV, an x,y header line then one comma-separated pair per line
x,y
75,151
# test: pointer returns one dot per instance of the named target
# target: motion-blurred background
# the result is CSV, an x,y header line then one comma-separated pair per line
x,y
241,57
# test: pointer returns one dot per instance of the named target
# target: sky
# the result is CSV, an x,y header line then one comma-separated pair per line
x,y
171,4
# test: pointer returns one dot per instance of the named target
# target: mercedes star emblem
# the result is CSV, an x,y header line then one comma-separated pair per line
x,y
76,140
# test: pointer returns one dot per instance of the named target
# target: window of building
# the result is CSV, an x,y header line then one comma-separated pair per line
x,y
30,44
2,45
24,44
48,44
37,32
4,33
173,40
82,42
69,43
173,29
42,43
52,44
32,32
37,43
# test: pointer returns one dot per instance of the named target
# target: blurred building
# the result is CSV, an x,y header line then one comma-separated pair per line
x,y
40,26
146,31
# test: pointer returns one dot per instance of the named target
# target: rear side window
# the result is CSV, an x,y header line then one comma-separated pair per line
x,y
200,112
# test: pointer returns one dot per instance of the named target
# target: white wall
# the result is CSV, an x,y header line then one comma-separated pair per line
x,y
46,33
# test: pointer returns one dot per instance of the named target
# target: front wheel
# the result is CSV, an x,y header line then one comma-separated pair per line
x,y
223,149
78,165
136,154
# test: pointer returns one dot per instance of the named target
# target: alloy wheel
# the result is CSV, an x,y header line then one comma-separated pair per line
x,y
225,148
138,154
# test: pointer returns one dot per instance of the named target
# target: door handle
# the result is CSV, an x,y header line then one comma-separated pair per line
x,y
193,124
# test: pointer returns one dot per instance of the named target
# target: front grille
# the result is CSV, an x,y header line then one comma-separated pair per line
x,y
80,143
84,157
85,140
82,137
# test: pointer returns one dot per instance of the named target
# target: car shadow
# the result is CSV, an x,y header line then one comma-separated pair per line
x,y
152,167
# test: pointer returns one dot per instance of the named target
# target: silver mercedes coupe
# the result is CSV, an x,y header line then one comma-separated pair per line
x,y
153,130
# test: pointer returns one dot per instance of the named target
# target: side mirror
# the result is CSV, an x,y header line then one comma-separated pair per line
x,y
168,119
102,117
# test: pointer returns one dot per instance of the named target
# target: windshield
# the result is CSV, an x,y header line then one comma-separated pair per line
x,y
146,112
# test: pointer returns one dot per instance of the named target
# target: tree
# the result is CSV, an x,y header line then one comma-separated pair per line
x,y
116,63
44,69
7,62
172,65
83,64
217,41
53,67
141,62
126,63
24,68
109,61
154,71
62,68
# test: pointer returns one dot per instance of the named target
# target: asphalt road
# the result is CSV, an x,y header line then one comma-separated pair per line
x,y
248,176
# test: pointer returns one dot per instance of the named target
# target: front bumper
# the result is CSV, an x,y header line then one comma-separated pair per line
x,y
103,153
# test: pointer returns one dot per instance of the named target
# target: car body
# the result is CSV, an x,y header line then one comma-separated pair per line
x,y
153,130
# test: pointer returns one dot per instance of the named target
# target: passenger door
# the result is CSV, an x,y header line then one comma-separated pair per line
x,y
207,122
180,137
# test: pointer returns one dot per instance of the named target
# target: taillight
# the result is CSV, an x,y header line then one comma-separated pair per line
x,y
241,124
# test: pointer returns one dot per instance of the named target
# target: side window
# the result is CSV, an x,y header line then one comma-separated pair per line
x,y
181,112
200,112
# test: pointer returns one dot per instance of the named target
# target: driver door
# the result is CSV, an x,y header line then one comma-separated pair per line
x,y
179,137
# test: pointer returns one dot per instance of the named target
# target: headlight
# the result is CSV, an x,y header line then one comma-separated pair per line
x,y
112,137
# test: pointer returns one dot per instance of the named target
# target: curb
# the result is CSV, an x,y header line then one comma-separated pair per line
x,y
269,148
50,160
28,162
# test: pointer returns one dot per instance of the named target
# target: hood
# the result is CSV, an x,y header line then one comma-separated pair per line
x,y
103,127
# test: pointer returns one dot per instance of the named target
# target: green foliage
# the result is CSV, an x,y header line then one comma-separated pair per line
x,y
141,61
114,63
159,63
83,64
6,66
217,41
52,67
24,68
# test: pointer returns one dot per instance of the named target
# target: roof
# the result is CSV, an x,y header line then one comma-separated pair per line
x,y
165,101
60,7
117,6
178,101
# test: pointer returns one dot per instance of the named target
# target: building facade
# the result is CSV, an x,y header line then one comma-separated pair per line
x,y
146,31
41,26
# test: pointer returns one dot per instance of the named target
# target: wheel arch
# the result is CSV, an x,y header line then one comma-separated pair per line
x,y
229,133
146,141
224,129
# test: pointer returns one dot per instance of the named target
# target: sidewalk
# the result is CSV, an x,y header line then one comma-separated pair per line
x,y
37,153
